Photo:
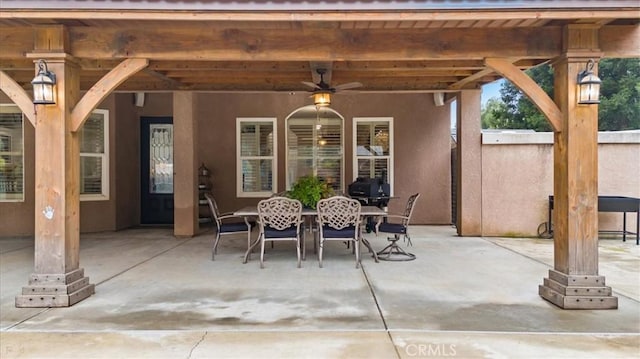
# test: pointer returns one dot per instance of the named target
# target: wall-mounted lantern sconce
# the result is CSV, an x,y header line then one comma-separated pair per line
x,y
322,98
44,86
588,86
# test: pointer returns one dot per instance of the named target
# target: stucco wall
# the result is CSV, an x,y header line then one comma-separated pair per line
x,y
422,146
17,218
126,162
517,178
517,174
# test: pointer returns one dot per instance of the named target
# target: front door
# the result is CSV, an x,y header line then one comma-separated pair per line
x,y
156,170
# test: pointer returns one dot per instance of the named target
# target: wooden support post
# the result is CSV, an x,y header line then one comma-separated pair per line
x,y
185,129
58,280
469,170
574,283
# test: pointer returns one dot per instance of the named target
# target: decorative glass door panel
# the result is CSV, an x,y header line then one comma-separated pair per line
x,y
156,165
160,158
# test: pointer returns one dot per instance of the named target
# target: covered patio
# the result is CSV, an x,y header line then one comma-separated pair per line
x,y
162,297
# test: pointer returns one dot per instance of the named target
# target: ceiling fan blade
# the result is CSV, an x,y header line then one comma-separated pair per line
x,y
347,86
310,84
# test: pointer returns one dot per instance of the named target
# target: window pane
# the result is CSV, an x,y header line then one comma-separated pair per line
x,y
257,175
372,139
299,167
301,140
256,161
315,147
381,168
256,139
373,149
329,171
11,154
92,134
93,156
381,139
91,175
365,168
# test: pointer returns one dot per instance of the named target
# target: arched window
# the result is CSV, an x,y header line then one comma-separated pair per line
x,y
315,145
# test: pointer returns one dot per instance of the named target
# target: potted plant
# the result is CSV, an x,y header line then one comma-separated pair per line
x,y
309,190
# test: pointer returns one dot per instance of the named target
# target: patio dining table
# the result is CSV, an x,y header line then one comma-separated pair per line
x,y
365,211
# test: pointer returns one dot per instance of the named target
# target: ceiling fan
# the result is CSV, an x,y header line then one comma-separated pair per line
x,y
322,91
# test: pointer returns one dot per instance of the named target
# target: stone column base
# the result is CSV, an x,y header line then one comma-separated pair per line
x,y
55,290
577,291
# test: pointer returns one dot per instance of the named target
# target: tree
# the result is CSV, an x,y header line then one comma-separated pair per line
x,y
619,94
619,107
490,115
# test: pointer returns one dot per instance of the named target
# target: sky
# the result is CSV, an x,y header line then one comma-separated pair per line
x,y
488,91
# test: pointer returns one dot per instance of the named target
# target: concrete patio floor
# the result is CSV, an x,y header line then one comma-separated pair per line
x,y
162,297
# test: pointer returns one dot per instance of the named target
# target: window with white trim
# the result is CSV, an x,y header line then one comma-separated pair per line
x,y
315,146
256,140
373,153
11,154
94,157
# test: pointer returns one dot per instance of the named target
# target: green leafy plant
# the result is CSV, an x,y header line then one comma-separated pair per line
x,y
309,190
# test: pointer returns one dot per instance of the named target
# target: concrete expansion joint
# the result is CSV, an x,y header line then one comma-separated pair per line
x,y
204,335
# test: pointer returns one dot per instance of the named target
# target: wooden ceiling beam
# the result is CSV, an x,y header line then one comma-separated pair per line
x,y
463,83
162,77
317,16
445,64
230,75
182,44
620,41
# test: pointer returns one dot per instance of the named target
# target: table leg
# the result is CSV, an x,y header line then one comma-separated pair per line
x,y
638,227
248,253
368,245
624,226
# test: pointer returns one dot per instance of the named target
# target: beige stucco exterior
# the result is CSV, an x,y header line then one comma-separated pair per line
x,y
516,172
421,146
517,179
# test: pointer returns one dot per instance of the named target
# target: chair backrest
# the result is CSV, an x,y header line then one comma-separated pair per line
x,y
338,212
279,213
213,208
408,210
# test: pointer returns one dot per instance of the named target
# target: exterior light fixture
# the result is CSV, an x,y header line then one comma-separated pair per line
x,y
44,86
322,98
588,86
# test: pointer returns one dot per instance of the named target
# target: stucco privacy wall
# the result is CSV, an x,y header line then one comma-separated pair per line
x,y
517,179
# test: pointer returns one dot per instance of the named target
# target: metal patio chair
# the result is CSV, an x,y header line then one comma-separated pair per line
x,y
339,220
224,226
280,219
393,252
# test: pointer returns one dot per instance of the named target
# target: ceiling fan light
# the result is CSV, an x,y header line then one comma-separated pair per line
x,y
322,98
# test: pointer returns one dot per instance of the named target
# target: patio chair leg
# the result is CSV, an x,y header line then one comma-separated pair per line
x,y
249,241
321,246
215,246
368,245
303,247
408,239
262,253
298,252
356,246
393,252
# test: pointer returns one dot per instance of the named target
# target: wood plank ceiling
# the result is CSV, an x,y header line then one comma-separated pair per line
x,y
420,54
